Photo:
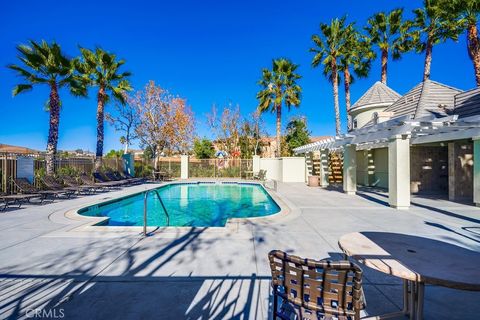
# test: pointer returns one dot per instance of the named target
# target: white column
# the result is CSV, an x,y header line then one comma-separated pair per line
x,y
324,168
451,171
399,172
256,164
350,169
184,167
476,170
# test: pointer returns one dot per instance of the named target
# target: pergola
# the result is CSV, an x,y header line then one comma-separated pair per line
x,y
397,135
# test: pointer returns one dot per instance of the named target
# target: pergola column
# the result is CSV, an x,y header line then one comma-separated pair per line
x,y
399,172
476,170
324,172
350,169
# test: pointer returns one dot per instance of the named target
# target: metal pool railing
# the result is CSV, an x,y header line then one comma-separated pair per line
x,y
145,210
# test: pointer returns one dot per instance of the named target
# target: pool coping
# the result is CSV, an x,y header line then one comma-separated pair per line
x,y
232,225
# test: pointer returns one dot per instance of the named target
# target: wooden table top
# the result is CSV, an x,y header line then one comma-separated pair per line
x,y
415,258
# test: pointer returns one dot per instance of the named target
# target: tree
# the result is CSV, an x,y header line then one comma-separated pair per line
x,y
432,25
279,86
46,64
125,121
467,13
166,123
226,127
296,134
358,55
114,154
100,69
329,47
203,149
250,135
388,32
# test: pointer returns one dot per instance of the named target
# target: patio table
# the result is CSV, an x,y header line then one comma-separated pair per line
x,y
417,261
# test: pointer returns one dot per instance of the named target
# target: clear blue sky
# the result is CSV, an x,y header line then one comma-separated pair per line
x,y
206,51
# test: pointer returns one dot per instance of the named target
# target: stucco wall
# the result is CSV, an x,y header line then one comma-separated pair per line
x,y
364,116
287,169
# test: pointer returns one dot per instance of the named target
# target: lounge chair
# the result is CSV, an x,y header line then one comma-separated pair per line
x,y
99,178
130,179
311,289
52,184
87,180
83,188
9,200
25,187
112,177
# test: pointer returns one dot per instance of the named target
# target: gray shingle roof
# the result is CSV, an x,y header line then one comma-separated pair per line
x,y
467,103
426,98
378,93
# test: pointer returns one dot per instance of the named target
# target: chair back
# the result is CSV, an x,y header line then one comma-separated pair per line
x,y
51,183
24,186
86,179
317,289
99,177
262,174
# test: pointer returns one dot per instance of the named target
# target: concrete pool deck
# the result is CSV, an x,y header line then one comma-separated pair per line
x,y
47,267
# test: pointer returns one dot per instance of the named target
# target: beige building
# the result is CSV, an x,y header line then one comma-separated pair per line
x,y
426,142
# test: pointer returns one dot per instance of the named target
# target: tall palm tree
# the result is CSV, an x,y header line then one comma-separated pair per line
x,y
279,86
45,64
468,13
329,48
100,69
358,55
432,25
387,31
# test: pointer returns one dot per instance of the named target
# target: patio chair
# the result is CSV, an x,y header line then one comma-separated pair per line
x,y
87,180
261,175
52,184
130,179
83,188
25,187
9,200
312,289
99,178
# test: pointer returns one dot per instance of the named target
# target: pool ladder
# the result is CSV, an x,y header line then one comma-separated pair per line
x,y
145,197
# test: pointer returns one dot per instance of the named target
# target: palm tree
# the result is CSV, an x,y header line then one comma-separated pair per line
x,y
433,25
329,49
100,69
468,12
357,54
387,31
279,86
46,64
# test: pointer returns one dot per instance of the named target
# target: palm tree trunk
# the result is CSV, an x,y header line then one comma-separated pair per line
x,y
279,130
384,65
346,82
335,99
428,59
474,50
100,127
54,105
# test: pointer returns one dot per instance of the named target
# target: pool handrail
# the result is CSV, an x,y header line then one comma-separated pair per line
x,y
145,209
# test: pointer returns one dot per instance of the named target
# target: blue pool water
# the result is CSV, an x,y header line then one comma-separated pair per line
x,y
196,205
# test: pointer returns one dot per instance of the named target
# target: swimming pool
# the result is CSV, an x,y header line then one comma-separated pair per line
x,y
204,204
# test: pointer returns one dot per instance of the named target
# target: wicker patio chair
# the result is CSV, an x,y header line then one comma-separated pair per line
x,y
311,289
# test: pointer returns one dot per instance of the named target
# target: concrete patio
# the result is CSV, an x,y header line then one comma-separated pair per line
x,y
45,264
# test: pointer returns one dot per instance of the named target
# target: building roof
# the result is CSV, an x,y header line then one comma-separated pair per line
x,y
467,103
379,93
426,98
6,148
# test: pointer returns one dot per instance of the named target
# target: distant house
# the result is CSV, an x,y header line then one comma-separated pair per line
x,y
426,142
6,148
269,145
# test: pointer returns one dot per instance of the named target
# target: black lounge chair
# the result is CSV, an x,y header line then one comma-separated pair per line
x,y
25,187
111,183
132,180
83,188
9,200
52,184
87,180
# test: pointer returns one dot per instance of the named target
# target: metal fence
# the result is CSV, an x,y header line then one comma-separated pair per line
x,y
62,166
220,168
